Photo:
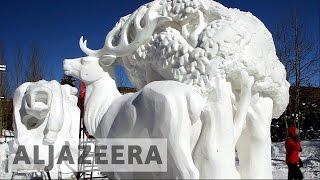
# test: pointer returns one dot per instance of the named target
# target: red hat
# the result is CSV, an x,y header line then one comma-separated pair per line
x,y
292,131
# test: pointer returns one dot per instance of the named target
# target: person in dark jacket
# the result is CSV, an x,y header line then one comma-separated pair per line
x,y
293,149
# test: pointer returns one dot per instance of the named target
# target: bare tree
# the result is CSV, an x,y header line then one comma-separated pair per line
x,y
26,68
297,50
300,54
35,66
18,73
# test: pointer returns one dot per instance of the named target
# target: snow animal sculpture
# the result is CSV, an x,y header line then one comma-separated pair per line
x,y
192,41
160,107
46,113
164,114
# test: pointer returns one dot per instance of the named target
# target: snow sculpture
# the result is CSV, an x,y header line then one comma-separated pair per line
x,y
46,113
161,113
227,55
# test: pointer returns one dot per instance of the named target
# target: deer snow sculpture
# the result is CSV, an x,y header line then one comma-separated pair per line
x,y
165,114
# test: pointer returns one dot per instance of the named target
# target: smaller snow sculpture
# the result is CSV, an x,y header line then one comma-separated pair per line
x,y
46,113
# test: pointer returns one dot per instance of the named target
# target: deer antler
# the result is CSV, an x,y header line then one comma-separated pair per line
x,y
129,36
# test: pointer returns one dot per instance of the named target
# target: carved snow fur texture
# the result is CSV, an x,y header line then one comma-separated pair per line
x,y
228,41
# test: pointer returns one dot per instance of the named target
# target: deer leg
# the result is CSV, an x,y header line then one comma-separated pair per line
x,y
181,154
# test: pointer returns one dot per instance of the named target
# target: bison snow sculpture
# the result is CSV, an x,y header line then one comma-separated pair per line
x,y
226,55
46,113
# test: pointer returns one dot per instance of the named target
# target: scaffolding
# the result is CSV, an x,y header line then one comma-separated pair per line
x,y
86,171
90,171
3,70
6,132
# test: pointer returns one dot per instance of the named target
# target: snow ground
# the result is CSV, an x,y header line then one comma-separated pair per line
x,y
310,157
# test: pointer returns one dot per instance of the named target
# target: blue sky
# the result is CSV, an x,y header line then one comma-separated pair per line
x,y
56,25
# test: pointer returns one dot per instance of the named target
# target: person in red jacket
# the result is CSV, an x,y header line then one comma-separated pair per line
x,y
293,149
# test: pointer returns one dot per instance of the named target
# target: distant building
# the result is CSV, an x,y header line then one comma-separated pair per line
x,y
6,117
3,69
6,107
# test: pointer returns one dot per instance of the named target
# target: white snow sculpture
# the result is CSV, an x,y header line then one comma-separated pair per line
x,y
46,113
164,114
227,55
